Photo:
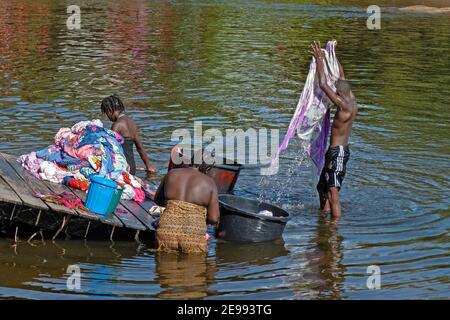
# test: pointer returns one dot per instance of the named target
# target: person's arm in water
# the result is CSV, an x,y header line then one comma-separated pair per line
x,y
334,97
213,215
140,149
160,196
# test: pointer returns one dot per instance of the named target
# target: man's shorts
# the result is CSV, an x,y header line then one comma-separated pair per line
x,y
333,172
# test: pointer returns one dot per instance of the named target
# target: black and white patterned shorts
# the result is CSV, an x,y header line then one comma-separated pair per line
x,y
333,172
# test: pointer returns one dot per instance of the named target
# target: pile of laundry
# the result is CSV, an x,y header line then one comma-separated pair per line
x,y
80,152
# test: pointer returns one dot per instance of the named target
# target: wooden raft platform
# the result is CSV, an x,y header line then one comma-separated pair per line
x,y
22,212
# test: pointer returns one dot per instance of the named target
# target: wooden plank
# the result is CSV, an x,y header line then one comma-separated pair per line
x,y
122,217
146,205
139,212
53,187
20,187
154,184
128,219
38,186
51,220
7,194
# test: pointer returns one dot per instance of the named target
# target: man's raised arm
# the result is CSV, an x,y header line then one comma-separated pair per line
x,y
318,54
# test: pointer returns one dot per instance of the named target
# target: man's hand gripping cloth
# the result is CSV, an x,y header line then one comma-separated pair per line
x,y
311,120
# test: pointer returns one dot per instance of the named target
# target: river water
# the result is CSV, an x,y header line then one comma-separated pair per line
x,y
236,64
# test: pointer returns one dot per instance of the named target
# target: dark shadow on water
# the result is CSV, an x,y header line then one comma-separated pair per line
x,y
250,253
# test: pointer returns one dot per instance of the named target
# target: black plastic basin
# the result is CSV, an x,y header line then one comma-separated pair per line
x,y
240,221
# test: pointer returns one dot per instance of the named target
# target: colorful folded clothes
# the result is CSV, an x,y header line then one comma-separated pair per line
x,y
78,153
76,183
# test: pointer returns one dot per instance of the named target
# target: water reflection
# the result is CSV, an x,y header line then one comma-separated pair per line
x,y
328,258
317,269
184,276
43,266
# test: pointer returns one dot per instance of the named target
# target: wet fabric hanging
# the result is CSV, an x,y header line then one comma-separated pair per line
x,y
311,120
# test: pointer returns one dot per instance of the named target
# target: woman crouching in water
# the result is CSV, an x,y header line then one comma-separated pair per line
x,y
191,201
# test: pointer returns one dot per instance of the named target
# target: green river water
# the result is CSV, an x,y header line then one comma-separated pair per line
x,y
242,64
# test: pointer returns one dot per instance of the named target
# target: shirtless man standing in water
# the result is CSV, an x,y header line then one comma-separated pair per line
x,y
336,158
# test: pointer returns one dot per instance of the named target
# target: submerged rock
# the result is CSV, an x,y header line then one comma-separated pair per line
x,y
426,9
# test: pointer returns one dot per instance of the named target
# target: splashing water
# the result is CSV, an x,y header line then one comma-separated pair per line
x,y
278,189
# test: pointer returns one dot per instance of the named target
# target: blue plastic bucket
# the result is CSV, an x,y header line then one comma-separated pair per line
x,y
101,194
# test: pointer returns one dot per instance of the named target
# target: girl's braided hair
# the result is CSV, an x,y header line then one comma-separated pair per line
x,y
111,104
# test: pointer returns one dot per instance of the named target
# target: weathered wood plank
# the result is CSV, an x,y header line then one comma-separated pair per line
x,y
50,220
140,213
146,205
45,187
7,194
19,186
38,186
111,219
128,219
154,184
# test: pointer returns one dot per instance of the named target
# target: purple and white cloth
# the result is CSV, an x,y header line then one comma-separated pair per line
x,y
311,120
